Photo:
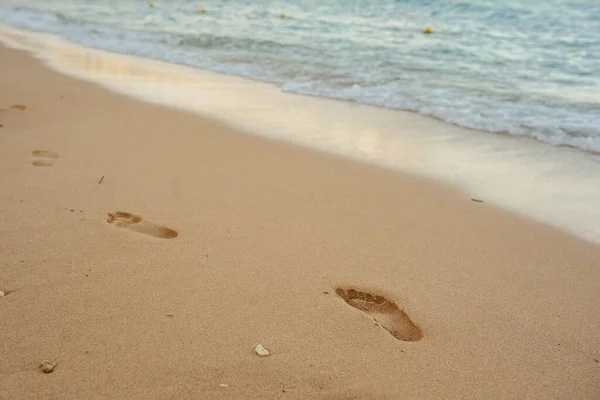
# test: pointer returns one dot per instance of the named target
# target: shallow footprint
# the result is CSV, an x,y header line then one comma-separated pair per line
x,y
19,107
385,312
45,158
137,224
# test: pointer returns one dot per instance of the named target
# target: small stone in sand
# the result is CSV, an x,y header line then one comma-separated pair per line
x,y
1,293
261,351
223,385
47,366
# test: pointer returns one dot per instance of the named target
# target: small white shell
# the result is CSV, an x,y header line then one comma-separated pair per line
x,y
223,385
47,366
1,293
261,351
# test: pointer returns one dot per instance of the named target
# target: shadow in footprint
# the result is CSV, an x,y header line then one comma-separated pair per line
x,y
385,312
19,107
137,224
45,158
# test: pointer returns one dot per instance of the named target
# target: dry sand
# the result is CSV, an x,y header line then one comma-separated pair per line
x,y
217,241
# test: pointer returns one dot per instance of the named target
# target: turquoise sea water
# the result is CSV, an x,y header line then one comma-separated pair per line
x,y
521,67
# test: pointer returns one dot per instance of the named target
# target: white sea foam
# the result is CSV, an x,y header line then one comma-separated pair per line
x,y
543,84
554,185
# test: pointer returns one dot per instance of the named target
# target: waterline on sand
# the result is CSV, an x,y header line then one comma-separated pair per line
x,y
559,186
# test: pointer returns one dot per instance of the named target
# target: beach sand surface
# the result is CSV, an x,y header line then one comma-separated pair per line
x,y
148,251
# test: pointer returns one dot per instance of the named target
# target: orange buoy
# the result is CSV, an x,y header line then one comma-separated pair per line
x,y
427,30
282,15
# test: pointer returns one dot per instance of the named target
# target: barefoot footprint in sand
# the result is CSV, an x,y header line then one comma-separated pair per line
x,y
385,312
45,158
135,223
19,107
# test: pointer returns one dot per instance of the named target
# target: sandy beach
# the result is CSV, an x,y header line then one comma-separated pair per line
x,y
148,251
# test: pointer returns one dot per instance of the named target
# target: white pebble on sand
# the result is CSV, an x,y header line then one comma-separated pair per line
x,y
47,366
261,351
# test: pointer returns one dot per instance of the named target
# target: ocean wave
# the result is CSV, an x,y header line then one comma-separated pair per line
x,y
553,126
439,78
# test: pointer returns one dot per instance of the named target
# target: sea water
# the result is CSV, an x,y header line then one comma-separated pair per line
x,y
522,67
512,68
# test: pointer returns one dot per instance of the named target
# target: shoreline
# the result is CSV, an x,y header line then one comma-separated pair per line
x,y
507,306
551,112
552,185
